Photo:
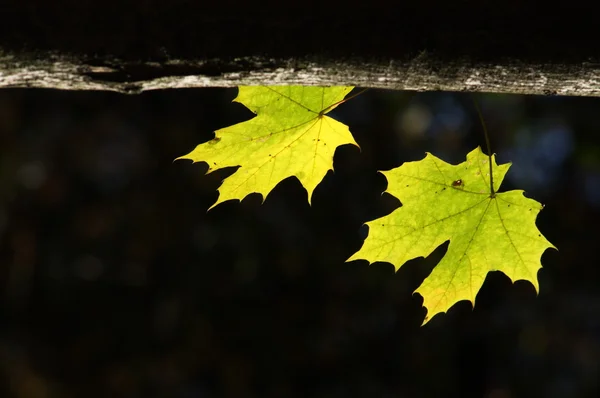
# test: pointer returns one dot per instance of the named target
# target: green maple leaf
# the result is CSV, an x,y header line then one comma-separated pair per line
x,y
290,136
441,202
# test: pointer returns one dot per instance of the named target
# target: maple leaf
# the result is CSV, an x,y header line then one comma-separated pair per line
x,y
441,202
290,136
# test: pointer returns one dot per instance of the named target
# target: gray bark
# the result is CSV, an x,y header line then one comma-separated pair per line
x,y
421,73
131,46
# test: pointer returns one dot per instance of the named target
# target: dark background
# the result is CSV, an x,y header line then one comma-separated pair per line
x,y
115,281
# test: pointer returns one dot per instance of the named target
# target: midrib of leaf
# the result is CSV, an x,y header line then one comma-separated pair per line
x,y
284,148
437,221
507,232
298,103
318,118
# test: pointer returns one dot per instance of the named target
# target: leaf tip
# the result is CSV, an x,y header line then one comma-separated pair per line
x,y
429,317
180,158
354,257
218,201
222,199
188,157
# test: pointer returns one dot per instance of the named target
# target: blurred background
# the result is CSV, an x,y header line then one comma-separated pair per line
x,y
115,281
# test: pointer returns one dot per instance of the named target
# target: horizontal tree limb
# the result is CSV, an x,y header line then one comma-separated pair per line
x,y
424,72
131,46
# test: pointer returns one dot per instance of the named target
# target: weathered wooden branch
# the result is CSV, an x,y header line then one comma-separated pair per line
x,y
139,45
422,73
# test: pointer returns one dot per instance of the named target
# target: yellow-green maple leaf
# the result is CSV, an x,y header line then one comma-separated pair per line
x,y
290,136
442,202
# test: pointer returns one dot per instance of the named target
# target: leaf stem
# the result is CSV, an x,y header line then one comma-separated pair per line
x,y
324,111
487,143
